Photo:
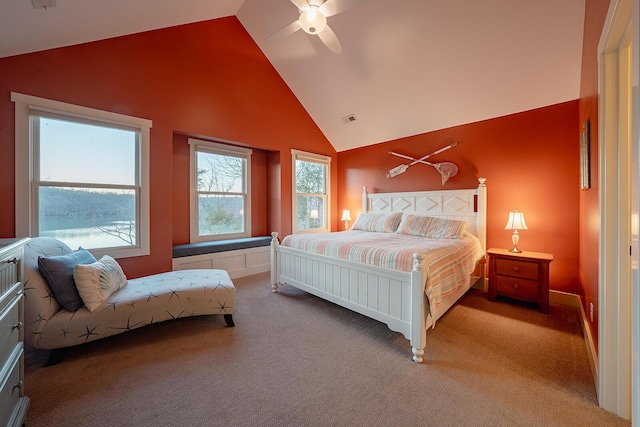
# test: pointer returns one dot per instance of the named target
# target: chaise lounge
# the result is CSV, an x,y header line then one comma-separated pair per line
x,y
133,304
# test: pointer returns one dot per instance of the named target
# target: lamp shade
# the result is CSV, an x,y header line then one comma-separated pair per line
x,y
516,221
346,215
313,214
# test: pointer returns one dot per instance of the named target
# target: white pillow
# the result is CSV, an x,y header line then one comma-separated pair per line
x,y
97,281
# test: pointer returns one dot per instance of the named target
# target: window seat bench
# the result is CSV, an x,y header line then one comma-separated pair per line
x,y
239,257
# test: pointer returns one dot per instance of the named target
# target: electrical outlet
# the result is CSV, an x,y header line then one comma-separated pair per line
x,y
591,311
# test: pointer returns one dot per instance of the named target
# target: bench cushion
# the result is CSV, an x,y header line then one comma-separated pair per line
x,y
200,248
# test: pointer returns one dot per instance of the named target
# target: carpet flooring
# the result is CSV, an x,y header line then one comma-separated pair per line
x,y
296,360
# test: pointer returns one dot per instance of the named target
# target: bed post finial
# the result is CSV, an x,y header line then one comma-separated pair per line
x,y
274,264
482,212
365,199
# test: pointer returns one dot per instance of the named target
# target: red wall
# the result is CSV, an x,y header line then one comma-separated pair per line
x,y
207,79
595,15
530,160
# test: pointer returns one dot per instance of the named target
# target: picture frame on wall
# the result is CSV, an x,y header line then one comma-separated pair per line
x,y
585,148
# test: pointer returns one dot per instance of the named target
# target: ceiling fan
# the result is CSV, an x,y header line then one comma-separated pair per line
x,y
313,20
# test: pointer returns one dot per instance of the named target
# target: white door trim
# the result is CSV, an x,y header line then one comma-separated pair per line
x,y
614,282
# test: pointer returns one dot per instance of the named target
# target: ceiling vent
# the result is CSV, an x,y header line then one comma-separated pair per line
x,y
350,118
46,4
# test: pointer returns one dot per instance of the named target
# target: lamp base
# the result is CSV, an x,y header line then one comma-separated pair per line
x,y
515,238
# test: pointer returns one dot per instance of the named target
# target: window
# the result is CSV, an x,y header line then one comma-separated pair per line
x,y
84,176
311,174
220,198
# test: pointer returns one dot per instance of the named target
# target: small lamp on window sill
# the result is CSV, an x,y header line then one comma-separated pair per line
x,y
515,223
313,215
346,217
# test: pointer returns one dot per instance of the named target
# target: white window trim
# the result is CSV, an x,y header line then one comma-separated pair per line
x,y
24,104
311,157
194,144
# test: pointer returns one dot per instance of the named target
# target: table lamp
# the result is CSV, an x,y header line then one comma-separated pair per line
x,y
515,223
346,217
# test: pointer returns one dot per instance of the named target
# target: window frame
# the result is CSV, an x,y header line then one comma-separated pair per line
x,y
196,145
26,147
314,158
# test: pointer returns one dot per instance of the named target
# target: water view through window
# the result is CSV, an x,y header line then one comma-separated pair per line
x,y
87,183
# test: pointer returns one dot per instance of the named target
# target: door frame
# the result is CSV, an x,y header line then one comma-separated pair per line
x,y
618,166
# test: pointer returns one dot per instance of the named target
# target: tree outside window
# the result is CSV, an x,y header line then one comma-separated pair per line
x,y
311,192
221,202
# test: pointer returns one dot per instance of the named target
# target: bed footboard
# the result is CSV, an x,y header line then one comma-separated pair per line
x,y
393,297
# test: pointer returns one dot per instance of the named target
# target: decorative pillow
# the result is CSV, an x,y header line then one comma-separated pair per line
x,y
381,223
97,281
431,227
58,273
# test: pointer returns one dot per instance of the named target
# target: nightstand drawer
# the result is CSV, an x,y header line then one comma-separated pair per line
x,y
517,287
517,268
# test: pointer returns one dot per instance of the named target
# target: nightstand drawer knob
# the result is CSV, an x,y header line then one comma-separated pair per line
x,y
18,385
17,326
516,269
515,285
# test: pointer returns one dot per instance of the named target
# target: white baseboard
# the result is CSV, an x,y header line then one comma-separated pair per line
x,y
573,300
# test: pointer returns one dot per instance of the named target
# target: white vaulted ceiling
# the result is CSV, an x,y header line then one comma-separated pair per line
x,y
407,67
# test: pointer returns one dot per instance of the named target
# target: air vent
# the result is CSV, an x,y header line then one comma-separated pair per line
x,y
350,118
37,4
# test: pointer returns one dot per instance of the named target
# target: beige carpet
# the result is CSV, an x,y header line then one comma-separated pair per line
x,y
295,360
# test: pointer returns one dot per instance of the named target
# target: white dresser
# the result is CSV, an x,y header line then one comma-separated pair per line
x,y
13,402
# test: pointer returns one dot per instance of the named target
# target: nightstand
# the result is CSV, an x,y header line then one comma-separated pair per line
x,y
522,276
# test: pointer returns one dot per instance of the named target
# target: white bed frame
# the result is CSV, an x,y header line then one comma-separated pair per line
x,y
396,298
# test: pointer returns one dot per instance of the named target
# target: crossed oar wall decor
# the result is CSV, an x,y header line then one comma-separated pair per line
x,y
446,169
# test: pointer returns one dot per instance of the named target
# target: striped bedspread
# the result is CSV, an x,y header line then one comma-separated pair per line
x,y
448,262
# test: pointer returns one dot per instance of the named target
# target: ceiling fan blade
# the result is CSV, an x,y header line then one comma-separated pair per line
x,y
333,7
301,4
330,39
285,31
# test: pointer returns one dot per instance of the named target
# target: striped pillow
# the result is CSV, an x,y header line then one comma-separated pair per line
x,y
380,223
432,227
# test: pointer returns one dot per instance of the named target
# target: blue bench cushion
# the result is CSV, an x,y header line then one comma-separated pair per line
x,y
200,248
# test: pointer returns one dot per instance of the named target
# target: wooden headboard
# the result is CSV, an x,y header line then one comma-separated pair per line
x,y
466,205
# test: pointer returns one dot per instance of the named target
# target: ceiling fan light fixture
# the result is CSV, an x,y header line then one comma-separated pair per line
x,y
312,20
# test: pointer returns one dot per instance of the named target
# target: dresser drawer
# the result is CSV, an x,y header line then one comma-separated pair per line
x,y
517,268
10,327
10,393
517,287
9,269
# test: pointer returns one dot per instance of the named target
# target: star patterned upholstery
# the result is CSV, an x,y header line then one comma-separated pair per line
x,y
140,302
